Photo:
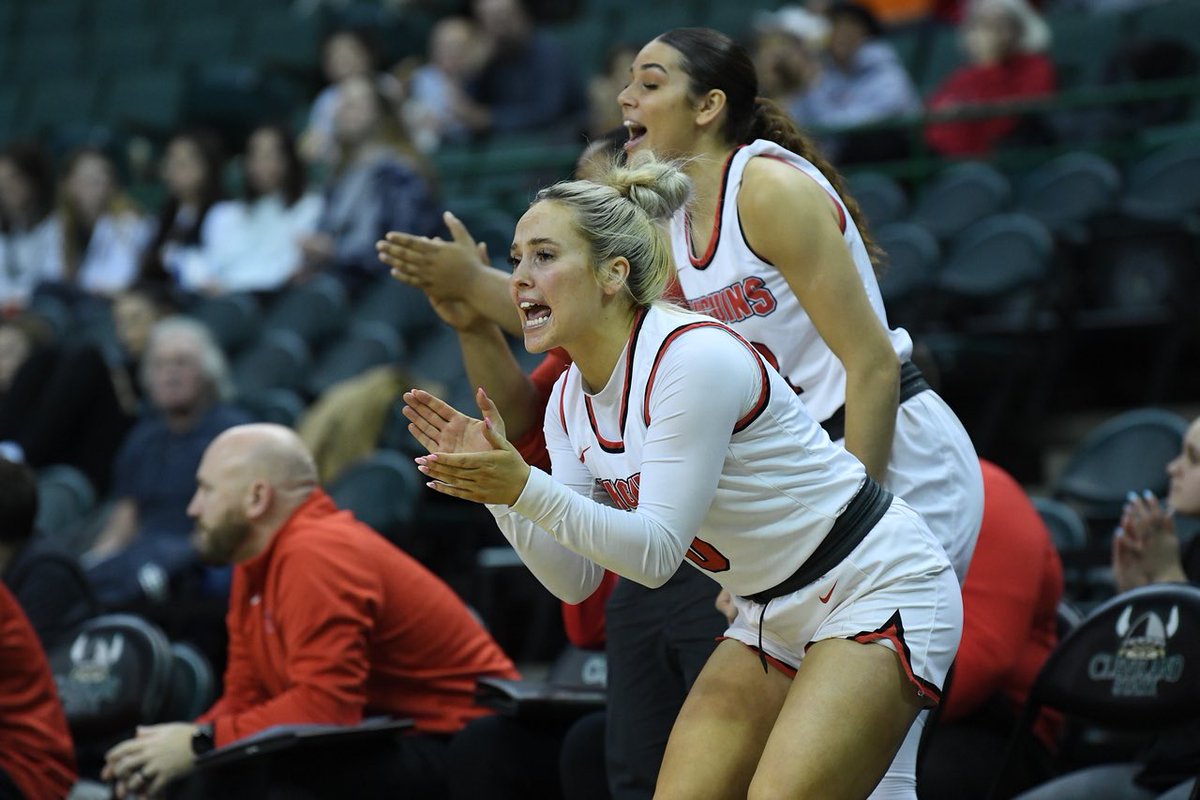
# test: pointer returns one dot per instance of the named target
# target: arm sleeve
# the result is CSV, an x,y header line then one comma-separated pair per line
x,y
324,613
683,456
241,691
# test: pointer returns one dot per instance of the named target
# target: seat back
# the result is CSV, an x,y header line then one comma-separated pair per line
x,y
959,196
111,677
1070,190
314,310
913,257
881,198
1132,665
192,687
383,490
1127,452
278,360
1067,528
1165,185
65,499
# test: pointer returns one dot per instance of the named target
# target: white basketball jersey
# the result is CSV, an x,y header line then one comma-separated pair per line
x,y
782,484
734,285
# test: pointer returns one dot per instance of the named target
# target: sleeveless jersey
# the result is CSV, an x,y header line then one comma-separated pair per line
x,y
730,282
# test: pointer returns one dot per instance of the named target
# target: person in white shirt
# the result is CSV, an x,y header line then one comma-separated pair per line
x,y
101,230
671,439
253,243
27,230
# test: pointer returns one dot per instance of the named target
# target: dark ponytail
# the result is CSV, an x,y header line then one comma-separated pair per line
x,y
713,60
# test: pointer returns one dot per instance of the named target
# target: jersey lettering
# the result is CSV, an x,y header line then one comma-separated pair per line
x,y
707,557
623,491
750,297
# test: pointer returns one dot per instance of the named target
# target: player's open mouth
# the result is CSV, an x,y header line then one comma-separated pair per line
x,y
535,315
636,134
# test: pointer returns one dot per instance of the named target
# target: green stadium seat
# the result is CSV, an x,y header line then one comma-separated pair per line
x,y
1179,19
943,55
49,56
51,17
109,15
283,38
150,101
212,39
1082,45
125,48
58,101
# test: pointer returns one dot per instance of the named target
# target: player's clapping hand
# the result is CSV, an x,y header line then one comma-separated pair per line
x,y
469,458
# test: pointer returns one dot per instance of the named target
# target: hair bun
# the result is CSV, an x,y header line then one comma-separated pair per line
x,y
659,188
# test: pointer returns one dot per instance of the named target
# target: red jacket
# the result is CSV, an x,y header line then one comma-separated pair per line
x,y
1017,77
35,743
332,623
1010,603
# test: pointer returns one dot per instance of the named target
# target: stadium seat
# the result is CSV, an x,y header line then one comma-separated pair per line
x,y
192,687
66,499
881,198
403,307
909,274
280,406
1081,46
384,491
959,196
1175,18
46,57
996,271
60,101
284,38
1067,528
1069,191
1133,665
126,49
1165,186
1128,452
279,359
364,345
114,675
212,39
314,310
142,101
233,319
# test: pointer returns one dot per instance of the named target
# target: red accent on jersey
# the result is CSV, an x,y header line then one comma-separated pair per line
x,y
608,445
701,263
764,394
707,557
893,631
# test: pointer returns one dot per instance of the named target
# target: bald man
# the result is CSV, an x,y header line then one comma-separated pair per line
x,y
328,623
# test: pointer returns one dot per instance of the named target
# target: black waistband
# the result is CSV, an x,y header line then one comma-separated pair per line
x,y
865,509
912,383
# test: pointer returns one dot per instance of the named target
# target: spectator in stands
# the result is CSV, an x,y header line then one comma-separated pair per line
x,y
37,757
861,81
529,82
146,539
96,393
328,622
253,244
436,90
346,53
191,170
47,582
1004,41
377,185
786,49
27,237
1010,602
1146,549
101,231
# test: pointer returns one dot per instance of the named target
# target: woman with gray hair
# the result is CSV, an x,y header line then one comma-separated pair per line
x,y
1004,41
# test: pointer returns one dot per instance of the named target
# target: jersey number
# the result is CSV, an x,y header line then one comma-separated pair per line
x,y
707,557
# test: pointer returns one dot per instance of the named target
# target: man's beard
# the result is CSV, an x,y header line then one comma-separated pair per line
x,y
218,543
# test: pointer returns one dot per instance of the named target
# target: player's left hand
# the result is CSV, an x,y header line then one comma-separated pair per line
x,y
491,473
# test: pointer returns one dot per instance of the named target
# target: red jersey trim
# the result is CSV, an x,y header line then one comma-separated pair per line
x,y
893,631
618,446
764,394
702,263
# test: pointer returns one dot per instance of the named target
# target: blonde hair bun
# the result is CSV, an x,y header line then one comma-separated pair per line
x,y
660,188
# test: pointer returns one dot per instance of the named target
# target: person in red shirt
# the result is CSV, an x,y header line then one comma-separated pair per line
x,y
328,623
1003,40
1010,625
37,756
